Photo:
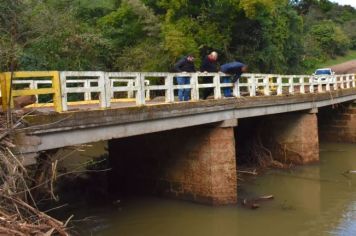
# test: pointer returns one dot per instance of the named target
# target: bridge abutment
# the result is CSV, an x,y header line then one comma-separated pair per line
x,y
196,164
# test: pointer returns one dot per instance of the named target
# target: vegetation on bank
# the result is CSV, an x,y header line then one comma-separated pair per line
x,y
272,36
351,55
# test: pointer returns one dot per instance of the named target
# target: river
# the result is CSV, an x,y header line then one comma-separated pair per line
x,y
309,200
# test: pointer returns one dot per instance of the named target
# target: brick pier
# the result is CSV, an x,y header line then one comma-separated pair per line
x,y
293,137
338,124
196,164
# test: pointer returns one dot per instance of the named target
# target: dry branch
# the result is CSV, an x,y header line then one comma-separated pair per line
x,y
18,212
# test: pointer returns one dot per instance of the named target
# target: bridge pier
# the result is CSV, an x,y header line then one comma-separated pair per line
x,y
293,137
338,124
196,164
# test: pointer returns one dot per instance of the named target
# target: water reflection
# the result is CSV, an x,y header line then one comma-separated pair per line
x,y
310,200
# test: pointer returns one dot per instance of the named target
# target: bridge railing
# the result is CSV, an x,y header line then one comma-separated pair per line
x,y
140,87
8,79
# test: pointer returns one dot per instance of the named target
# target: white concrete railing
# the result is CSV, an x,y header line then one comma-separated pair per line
x,y
137,84
86,86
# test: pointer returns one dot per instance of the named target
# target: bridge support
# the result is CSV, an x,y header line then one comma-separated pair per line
x,y
196,164
338,124
293,137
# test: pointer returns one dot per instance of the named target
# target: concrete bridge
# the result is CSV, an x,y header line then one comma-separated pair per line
x,y
185,150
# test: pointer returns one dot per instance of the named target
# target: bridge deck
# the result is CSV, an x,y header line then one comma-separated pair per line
x,y
67,123
54,130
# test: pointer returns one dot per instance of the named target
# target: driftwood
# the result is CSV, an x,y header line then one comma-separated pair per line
x,y
254,203
18,211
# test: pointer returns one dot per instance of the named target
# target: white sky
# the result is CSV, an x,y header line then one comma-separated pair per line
x,y
346,2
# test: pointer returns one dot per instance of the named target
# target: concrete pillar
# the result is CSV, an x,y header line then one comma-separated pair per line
x,y
196,164
293,137
338,124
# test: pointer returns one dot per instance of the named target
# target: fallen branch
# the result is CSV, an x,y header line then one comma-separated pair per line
x,y
254,172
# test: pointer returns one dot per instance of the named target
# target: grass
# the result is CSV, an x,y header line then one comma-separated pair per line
x,y
351,55
106,4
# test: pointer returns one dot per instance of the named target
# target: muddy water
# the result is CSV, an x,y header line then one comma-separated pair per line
x,y
310,200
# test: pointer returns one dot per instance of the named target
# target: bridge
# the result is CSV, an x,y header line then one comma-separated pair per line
x,y
185,150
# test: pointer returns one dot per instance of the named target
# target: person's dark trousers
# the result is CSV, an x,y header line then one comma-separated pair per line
x,y
208,91
183,94
227,90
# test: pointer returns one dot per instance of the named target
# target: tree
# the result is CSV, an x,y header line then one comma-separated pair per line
x,y
330,38
13,33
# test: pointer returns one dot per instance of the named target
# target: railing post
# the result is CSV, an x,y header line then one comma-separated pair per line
x,y
87,95
112,93
34,85
252,85
9,98
348,81
342,85
194,87
266,87
140,86
302,84
279,85
353,81
311,84
4,92
169,88
130,93
102,89
217,89
63,79
147,90
291,84
327,86
336,83
109,93
236,89
57,96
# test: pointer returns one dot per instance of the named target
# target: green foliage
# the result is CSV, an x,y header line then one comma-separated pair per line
x,y
330,38
272,36
123,27
350,30
148,56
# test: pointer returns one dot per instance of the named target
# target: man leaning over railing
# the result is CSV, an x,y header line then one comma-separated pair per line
x,y
235,69
209,65
185,64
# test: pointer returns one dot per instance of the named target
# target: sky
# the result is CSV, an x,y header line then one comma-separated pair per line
x,y
346,2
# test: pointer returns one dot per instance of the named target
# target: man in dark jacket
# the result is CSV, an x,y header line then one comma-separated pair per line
x,y
235,69
185,64
209,65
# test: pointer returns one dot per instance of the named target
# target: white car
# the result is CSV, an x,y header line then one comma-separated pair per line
x,y
324,75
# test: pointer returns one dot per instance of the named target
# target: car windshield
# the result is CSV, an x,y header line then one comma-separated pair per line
x,y
323,72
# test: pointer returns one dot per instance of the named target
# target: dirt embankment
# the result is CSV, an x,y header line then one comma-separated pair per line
x,y
345,68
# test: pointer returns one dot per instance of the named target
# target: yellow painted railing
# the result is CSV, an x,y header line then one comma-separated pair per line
x,y
5,79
